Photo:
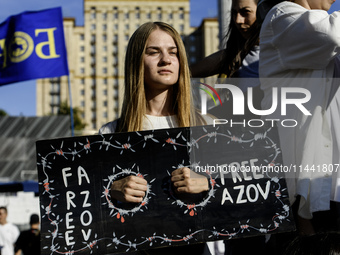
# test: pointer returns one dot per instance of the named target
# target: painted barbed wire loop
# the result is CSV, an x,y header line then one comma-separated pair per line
x,y
191,208
116,211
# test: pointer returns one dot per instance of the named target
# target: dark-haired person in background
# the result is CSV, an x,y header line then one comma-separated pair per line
x,y
28,242
239,59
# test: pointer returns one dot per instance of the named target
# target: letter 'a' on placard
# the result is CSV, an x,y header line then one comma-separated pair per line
x,y
32,46
79,215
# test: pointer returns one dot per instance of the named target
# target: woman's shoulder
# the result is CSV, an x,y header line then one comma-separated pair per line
x,y
109,127
286,10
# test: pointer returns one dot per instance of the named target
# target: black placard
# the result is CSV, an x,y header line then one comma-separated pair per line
x,y
247,193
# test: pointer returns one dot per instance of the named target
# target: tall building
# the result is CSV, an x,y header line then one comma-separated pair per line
x,y
203,41
96,53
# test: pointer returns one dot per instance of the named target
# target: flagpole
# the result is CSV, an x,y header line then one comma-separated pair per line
x,y
71,108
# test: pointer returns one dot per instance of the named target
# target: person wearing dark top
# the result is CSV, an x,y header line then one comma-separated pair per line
x,y
28,242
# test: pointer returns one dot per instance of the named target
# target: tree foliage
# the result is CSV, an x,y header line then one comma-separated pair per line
x,y
3,113
64,109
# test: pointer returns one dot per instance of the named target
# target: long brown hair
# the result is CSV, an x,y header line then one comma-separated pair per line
x,y
134,102
237,47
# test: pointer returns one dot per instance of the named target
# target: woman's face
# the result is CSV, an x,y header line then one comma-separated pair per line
x,y
161,64
244,15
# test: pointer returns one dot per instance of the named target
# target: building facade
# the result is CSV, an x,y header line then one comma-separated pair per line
x,y
203,41
96,53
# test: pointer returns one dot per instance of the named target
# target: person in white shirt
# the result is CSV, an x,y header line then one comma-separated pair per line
x,y
157,96
300,47
9,233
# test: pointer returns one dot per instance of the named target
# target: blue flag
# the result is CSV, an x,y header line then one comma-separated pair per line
x,y
32,46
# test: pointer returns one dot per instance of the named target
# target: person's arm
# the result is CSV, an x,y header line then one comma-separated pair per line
x,y
18,252
305,39
187,181
208,66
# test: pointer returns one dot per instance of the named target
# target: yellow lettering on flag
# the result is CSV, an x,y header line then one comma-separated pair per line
x,y
4,53
50,43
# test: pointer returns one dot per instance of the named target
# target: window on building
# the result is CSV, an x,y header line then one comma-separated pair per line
x,y
82,92
115,26
126,37
93,82
115,71
105,92
55,87
148,15
105,48
93,38
55,100
181,28
127,15
115,93
104,16
181,13
115,38
104,38
82,70
104,27
105,114
82,59
82,81
93,26
82,103
170,16
105,103
82,48
81,37
127,26
93,49
159,11
93,15
105,81
104,70
104,59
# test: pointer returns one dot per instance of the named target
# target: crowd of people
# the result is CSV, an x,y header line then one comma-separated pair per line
x,y
280,40
14,242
